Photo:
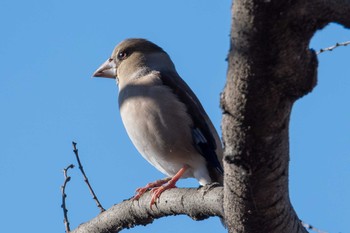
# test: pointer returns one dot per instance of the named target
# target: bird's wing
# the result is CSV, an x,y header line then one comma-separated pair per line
x,y
203,138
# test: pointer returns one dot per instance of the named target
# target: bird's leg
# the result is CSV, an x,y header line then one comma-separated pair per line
x,y
170,184
157,183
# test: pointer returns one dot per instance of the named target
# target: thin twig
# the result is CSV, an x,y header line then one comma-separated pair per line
x,y
310,227
64,195
333,47
86,179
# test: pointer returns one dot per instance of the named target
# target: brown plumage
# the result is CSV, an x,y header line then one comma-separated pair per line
x,y
162,116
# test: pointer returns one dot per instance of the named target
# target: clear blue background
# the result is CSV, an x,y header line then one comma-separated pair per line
x,y
48,52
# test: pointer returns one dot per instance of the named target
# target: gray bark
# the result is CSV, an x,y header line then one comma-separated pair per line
x,y
198,204
270,67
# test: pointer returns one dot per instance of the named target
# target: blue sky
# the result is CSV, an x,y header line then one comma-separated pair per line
x,y
48,52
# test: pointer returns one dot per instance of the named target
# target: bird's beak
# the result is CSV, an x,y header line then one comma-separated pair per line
x,y
106,70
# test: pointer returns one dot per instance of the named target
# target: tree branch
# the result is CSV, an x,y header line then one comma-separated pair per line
x,y
346,43
198,204
336,11
64,196
92,192
270,67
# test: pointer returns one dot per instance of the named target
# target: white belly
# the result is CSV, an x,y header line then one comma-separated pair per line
x,y
160,128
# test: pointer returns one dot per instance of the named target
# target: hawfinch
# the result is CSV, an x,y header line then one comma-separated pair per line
x,y
162,116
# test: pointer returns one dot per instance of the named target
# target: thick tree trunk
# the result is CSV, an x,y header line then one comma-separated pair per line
x,y
270,67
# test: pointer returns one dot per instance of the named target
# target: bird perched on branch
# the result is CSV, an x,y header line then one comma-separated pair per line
x,y
162,116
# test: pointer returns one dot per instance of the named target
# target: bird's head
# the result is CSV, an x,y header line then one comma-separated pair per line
x,y
133,58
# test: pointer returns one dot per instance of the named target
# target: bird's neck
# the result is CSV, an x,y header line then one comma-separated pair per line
x,y
159,61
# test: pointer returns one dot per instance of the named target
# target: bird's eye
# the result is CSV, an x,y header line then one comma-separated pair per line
x,y
122,55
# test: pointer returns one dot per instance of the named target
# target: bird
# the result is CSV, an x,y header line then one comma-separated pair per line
x,y
163,117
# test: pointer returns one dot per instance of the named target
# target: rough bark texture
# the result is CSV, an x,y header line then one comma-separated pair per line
x,y
270,67
198,204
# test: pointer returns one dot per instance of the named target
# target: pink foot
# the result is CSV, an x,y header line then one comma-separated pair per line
x,y
141,191
159,186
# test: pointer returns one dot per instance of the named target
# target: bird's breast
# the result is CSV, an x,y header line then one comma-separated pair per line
x,y
158,125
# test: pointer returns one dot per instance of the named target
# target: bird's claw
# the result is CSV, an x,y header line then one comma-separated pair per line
x,y
151,186
139,193
159,186
156,192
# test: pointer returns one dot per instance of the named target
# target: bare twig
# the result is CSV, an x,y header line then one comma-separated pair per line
x,y
333,47
310,227
86,179
63,188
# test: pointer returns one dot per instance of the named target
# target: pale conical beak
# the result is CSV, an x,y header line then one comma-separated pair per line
x,y
106,70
